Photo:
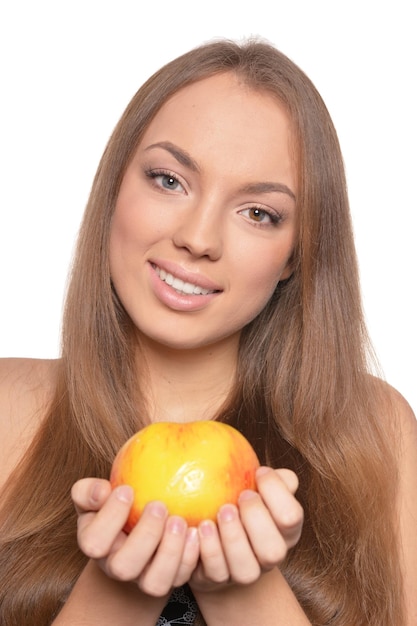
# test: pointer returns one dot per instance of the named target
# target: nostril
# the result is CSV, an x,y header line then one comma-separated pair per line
x,y
199,248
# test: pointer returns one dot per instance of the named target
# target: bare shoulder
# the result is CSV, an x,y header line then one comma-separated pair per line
x,y
24,384
395,412
405,423
26,388
401,425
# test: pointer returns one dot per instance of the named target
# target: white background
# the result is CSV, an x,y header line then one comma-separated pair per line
x,y
68,70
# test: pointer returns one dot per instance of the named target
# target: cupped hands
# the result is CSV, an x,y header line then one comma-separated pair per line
x,y
162,552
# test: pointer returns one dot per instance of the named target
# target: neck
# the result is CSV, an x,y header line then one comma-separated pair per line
x,y
188,385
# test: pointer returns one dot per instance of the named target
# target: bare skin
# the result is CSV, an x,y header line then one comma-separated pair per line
x,y
25,391
100,597
120,573
174,378
225,229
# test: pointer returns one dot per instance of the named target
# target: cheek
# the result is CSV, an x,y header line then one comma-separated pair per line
x,y
266,278
119,243
264,268
261,287
260,273
128,231
138,222
124,247
257,288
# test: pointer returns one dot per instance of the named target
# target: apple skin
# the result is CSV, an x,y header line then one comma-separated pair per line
x,y
193,467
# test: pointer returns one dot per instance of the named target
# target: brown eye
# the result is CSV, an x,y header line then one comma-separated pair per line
x,y
257,214
261,216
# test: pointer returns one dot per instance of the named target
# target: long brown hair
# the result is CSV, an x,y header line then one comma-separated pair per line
x,y
304,395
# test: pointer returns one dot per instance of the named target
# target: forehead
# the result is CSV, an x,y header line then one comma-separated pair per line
x,y
220,98
222,118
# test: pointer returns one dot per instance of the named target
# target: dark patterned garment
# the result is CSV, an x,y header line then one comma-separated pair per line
x,y
181,609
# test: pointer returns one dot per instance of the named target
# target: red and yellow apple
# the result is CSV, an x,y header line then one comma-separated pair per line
x,y
194,468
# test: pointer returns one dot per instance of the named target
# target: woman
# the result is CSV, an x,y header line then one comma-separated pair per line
x,y
215,278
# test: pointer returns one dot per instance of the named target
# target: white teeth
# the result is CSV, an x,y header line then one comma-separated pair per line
x,y
169,279
179,285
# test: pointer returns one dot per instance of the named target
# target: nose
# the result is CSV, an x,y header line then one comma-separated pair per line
x,y
200,232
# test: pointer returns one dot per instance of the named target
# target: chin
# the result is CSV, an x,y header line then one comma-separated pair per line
x,y
180,341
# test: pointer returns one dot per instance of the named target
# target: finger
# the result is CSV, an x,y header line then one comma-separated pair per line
x,y
158,578
97,532
129,562
213,560
189,559
243,565
89,494
284,508
267,543
289,478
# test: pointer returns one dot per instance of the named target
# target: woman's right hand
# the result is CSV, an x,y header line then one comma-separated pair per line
x,y
160,553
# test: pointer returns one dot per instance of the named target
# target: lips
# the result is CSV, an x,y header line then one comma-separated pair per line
x,y
181,286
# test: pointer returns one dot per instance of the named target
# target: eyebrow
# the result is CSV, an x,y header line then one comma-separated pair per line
x,y
178,153
252,188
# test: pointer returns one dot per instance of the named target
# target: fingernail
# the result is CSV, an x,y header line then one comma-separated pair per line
x,y
227,513
95,493
248,494
176,525
192,535
261,471
157,509
207,528
124,493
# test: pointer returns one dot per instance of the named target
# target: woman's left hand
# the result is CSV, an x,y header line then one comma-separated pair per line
x,y
254,536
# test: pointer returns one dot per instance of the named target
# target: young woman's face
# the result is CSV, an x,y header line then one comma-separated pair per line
x,y
204,224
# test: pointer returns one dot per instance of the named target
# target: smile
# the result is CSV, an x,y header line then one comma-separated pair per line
x,y
180,286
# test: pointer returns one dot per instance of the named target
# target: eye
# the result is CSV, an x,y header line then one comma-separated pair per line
x,y
165,180
261,216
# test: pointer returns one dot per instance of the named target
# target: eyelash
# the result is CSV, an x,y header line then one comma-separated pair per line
x,y
154,174
274,217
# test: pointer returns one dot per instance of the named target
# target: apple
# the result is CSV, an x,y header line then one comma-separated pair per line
x,y
192,467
